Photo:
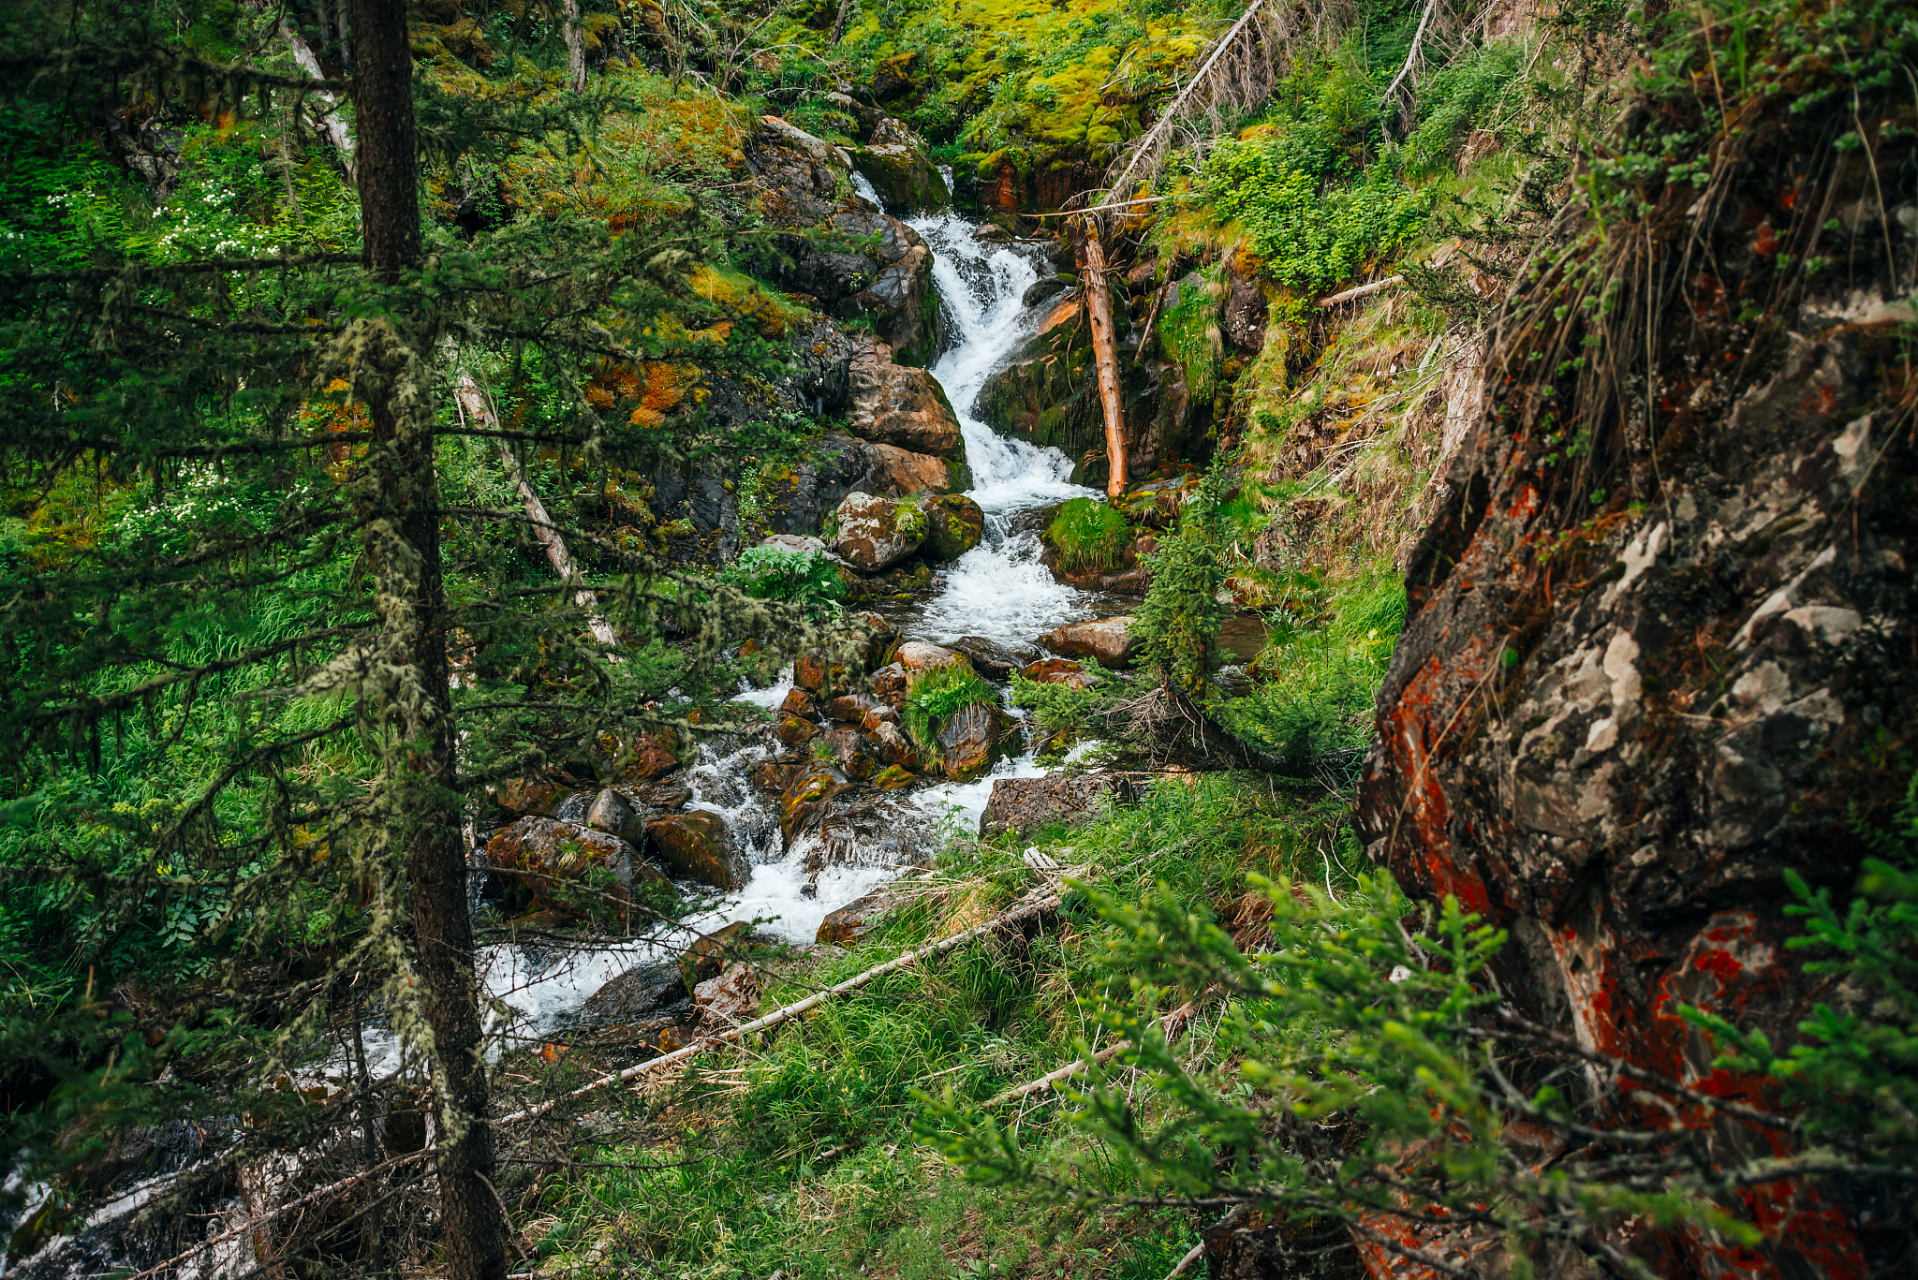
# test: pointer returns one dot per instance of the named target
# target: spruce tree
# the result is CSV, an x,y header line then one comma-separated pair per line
x,y
240,728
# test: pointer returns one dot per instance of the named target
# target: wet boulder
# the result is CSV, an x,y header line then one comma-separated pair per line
x,y
852,752
1063,671
890,744
895,472
876,533
814,677
794,732
804,798
527,796
1109,641
699,846
991,659
1024,805
800,702
892,778
648,756
923,655
851,708
975,738
661,794
889,682
896,164
642,992
546,855
902,406
614,814
954,525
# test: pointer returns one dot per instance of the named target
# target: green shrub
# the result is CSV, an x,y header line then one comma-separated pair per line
x,y
1090,536
801,577
934,695
1178,625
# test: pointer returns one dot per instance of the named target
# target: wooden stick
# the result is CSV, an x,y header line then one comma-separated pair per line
x,y
1412,55
1171,113
1360,291
1023,911
1172,1021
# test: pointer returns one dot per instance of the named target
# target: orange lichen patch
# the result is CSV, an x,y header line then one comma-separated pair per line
x,y
742,297
654,388
333,414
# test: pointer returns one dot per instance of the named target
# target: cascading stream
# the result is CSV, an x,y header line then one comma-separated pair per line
x,y
998,590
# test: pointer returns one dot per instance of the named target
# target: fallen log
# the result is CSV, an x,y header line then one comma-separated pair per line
x,y
1025,910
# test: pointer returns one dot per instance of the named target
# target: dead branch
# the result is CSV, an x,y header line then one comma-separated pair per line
x,y
1173,1022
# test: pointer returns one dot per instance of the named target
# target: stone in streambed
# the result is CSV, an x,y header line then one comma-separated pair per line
x,y
851,708
855,919
1065,671
794,732
712,952
876,533
922,655
973,739
891,746
801,802
800,702
991,659
954,525
852,753
547,854
614,814
892,777
1109,641
698,845
904,407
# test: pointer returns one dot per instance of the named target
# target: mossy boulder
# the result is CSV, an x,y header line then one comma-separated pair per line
x,y
903,177
698,845
954,525
900,405
876,533
801,804
974,738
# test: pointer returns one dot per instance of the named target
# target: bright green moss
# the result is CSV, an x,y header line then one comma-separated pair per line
x,y
1090,536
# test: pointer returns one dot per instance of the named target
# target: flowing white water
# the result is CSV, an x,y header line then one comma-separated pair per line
x,y
998,590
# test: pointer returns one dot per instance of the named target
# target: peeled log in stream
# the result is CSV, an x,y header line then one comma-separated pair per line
x,y
1105,359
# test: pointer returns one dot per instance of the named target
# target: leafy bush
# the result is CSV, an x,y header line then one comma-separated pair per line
x,y
1317,683
799,577
1178,625
1091,536
935,695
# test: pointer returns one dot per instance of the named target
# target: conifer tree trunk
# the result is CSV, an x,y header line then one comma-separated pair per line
x,y
575,46
1105,358
423,809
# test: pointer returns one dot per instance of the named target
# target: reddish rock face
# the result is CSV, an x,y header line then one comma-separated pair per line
x,y
1107,641
973,739
802,801
902,407
1636,685
798,701
794,732
1057,671
653,754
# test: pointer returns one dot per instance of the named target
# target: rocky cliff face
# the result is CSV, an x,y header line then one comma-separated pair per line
x,y
1662,640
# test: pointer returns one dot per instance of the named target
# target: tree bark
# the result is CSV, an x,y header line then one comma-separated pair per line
x,y
575,46
388,150
1092,277
422,808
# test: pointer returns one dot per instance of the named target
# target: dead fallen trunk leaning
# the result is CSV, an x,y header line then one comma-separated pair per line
x,y
473,401
1025,910
1105,358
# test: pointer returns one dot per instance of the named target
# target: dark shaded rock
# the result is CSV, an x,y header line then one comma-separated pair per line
x,y
1023,805
973,739
954,525
544,856
852,753
1042,290
1108,641
902,175
772,777
801,805
664,794
573,809
794,732
798,175
798,499
801,702
698,845
1243,323
849,923
896,77
991,659
614,814
851,708
642,992
889,683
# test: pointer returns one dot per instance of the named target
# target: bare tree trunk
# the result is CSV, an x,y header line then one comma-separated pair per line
x,y
575,46
330,124
422,806
388,151
473,401
1092,278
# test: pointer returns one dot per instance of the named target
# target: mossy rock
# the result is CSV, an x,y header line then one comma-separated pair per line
x,y
1090,536
954,525
904,178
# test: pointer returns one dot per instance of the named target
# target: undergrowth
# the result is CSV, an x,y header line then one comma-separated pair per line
x,y
1091,536
934,695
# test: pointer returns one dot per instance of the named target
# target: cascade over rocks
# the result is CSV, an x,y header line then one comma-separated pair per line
x,y
894,161
1615,751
